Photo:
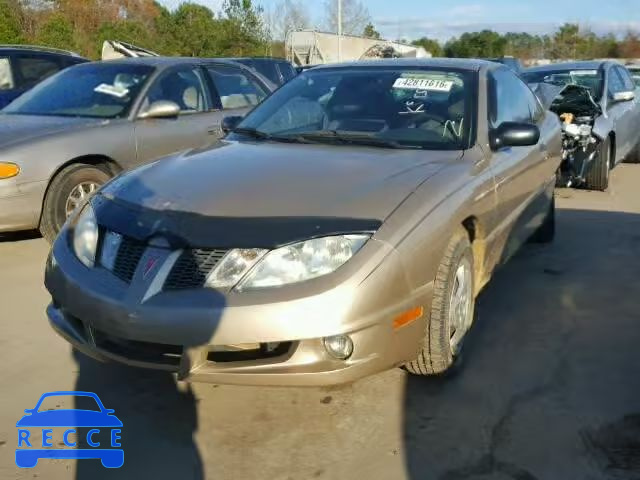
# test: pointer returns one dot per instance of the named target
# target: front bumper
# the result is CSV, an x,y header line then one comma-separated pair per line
x,y
20,205
180,331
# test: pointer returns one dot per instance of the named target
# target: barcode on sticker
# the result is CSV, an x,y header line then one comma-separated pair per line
x,y
423,84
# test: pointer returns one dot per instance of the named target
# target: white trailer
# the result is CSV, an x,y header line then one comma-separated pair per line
x,y
310,47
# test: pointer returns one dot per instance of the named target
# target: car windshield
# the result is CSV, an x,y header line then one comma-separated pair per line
x,y
394,107
589,78
95,90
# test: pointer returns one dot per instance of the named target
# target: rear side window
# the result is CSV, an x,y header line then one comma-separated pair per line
x,y
287,71
510,100
32,69
6,75
236,88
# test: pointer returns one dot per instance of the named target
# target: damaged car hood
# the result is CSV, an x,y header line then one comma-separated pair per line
x,y
234,182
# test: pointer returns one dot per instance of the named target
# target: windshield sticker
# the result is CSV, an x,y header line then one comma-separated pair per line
x,y
583,72
116,91
423,84
413,108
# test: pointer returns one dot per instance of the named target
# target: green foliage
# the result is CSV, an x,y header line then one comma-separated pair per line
x,y
486,43
429,45
371,32
10,31
57,32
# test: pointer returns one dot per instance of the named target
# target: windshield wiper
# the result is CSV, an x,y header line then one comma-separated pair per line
x,y
366,139
260,135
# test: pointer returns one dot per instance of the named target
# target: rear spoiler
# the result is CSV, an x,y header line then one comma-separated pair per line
x,y
112,49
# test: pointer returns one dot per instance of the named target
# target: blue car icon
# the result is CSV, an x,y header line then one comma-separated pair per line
x,y
27,456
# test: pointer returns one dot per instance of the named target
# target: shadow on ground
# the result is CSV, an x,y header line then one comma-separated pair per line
x,y
549,388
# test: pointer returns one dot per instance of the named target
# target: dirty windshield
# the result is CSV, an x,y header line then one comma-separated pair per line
x,y
401,107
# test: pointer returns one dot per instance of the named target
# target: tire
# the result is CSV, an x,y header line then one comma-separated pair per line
x,y
437,354
547,231
597,177
54,209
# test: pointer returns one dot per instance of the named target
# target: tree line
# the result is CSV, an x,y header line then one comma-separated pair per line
x,y
243,28
567,42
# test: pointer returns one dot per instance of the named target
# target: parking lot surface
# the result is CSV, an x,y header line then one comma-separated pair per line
x,y
549,388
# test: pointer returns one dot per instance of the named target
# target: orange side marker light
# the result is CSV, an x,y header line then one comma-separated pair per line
x,y
405,318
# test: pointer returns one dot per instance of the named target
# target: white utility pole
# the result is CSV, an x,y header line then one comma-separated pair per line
x,y
339,30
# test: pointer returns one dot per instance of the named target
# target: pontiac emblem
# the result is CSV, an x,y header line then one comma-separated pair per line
x,y
149,267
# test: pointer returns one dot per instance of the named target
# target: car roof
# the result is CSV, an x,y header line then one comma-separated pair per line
x,y
582,65
166,61
472,64
38,49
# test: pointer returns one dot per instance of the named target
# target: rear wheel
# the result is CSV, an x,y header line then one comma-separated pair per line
x,y
69,189
452,310
597,177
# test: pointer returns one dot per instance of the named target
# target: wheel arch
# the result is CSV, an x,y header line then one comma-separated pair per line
x,y
112,166
477,234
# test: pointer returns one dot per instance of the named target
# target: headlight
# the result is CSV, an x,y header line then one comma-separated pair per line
x,y
85,236
302,261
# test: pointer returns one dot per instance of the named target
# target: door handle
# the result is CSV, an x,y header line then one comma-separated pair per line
x,y
214,129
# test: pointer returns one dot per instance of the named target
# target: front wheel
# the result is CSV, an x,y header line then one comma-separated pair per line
x,y
452,310
597,177
69,189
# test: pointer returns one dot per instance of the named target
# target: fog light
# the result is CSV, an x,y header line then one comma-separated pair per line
x,y
339,346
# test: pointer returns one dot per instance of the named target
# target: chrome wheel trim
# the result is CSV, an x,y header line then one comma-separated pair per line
x,y
460,305
78,195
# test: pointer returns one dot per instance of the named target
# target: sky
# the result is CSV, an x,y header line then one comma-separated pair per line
x,y
443,19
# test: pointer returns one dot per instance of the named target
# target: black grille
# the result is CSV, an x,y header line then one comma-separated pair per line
x,y
192,268
129,254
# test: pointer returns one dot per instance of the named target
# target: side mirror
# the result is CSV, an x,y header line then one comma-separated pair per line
x,y
161,109
514,134
231,122
625,96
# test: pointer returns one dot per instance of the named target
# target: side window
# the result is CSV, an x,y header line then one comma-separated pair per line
x,y
510,100
616,84
629,85
236,88
185,87
6,76
287,71
32,69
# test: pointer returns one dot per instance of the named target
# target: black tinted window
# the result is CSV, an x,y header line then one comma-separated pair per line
x,y
287,71
510,99
32,69
236,89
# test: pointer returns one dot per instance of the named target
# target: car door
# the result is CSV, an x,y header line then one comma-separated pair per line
x,y
620,113
632,115
235,89
197,125
520,172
